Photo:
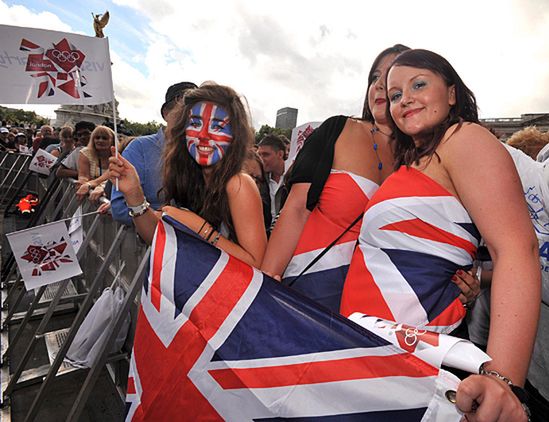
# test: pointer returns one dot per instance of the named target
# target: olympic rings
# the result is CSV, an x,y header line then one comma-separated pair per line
x,y
412,333
66,56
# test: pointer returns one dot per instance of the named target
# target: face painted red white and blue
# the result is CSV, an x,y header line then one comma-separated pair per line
x,y
208,133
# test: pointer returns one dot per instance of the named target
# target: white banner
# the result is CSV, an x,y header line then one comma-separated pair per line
x,y
38,66
299,134
432,347
42,162
44,254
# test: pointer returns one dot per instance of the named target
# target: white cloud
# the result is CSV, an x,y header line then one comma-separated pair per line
x,y
315,56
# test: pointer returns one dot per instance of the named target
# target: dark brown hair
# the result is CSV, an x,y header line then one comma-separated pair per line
x,y
395,49
465,108
183,178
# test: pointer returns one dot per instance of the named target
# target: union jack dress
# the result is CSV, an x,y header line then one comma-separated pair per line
x,y
415,235
343,199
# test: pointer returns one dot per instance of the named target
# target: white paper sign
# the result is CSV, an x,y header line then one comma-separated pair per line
x,y
42,162
44,254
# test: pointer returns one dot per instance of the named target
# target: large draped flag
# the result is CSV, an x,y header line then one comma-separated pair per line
x,y
38,66
218,340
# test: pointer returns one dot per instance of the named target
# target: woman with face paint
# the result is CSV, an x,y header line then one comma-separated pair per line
x,y
207,139
454,183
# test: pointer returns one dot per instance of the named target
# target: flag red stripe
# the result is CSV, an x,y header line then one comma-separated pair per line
x,y
156,292
131,386
361,292
424,230
365,367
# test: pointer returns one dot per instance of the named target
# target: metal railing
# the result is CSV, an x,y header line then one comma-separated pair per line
x,y
109,250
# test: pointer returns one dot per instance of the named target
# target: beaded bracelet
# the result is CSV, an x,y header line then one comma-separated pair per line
x,y
214,241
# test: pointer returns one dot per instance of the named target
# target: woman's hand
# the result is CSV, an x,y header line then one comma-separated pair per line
x,y
104,208
97,193
128,179
468,284
485,398
83,191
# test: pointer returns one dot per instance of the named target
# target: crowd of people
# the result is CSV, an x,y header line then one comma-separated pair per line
x,y
393,208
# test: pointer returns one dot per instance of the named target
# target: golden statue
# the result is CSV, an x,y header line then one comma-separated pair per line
x,y
99,22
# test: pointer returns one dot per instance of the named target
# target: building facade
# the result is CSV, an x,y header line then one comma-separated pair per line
x,y
286,118
504,127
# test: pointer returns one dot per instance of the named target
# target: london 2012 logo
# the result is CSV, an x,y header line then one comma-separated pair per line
x,y
57,68
47,257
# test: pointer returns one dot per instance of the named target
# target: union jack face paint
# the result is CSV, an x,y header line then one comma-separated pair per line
x,y
208,133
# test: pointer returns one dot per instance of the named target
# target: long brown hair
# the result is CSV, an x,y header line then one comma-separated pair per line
x,y
465,108
395,49
182,176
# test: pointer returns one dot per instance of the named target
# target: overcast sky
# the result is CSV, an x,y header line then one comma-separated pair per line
x,y
311,55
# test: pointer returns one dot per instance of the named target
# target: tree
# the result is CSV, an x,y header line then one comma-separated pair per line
x,y
268,130
138,129
18,117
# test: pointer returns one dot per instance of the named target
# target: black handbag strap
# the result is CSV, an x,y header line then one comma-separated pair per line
x,y
325,250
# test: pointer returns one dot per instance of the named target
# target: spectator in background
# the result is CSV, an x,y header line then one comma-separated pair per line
x,y
66,144
253,165
529,140
93,164
69,166
46,131
4,142
144,153
272,151
21,142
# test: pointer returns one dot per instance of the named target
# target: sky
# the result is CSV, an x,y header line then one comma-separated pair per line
x,y
311,55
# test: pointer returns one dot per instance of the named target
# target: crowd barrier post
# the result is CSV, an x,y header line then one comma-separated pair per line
x,y
86,305
26,159
15,161
95,370
45,319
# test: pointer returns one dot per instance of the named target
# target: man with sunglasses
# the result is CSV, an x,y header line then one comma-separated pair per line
x,y
69,165
145,153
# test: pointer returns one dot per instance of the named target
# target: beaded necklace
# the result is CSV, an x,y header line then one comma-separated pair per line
x,y
373,131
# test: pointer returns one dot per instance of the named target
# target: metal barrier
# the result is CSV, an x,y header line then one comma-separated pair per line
x,y
109,250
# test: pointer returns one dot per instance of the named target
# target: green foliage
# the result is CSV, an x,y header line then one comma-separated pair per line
x,y
267,130
13,116
138,129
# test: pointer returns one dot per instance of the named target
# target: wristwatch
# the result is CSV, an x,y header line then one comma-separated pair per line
x,y
523,397
138,210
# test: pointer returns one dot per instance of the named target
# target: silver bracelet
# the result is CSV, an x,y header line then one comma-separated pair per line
x,y
483,371
138,210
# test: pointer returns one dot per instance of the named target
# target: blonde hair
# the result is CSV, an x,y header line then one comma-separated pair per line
x,y
99,130
529,140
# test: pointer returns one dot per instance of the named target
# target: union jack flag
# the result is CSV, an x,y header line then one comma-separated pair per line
x,y
218,340
414,237
209,133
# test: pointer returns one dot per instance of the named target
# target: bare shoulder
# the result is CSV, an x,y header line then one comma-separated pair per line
x,y
240,183
471,138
